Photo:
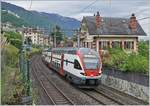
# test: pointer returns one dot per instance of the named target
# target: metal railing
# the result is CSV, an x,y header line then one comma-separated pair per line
x,y
24,64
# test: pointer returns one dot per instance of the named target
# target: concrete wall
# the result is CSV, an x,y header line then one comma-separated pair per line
x,y
134,84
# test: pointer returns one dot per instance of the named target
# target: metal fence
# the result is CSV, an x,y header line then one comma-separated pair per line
x,y
24,64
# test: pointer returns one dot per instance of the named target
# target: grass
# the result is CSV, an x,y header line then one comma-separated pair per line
x,y
11,53
35,50
11,84
12,87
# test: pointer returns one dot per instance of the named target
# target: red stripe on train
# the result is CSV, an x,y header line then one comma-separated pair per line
x,y
81,59
61,70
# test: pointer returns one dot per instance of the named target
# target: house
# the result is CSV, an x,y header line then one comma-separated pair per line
x,y
101,33
31,33
46,40
36,35
7,27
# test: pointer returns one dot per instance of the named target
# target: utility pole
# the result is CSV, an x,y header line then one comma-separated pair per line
x,y
78,38
55,37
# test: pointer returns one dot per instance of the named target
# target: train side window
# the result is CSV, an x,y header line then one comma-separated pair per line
x,y
66,62
77,65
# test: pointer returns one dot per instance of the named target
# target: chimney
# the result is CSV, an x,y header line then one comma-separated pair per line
x,y
133,22
98,20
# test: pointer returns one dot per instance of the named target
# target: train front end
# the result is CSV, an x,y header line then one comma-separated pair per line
x,y
91,64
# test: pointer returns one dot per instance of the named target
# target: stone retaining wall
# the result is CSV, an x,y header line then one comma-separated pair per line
x,y
134,84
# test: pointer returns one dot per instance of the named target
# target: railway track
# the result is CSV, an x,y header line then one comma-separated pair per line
x,y
119,96
55,95
102,99
109,96
102,94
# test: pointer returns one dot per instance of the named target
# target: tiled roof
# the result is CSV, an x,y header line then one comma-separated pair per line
x,y
111,26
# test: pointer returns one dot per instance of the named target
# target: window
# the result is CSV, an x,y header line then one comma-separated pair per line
x,y
91,62
87,44
83,44
77,65
116,44
66,62
103,45
91,45
72,52
128,45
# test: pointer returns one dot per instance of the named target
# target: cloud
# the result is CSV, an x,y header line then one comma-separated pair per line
x,y
80,15
75,9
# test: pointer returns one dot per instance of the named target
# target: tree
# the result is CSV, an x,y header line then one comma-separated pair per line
x,y
58,34
12,35
144,48
14,39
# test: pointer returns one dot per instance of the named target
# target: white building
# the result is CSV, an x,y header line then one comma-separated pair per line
x,y
33,34
37,37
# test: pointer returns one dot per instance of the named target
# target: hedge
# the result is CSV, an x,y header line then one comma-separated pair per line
x,y
127,62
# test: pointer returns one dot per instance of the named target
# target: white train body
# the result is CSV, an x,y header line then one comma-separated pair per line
x,y
81,66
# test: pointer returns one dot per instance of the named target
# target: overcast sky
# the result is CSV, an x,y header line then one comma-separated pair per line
x,y
79,8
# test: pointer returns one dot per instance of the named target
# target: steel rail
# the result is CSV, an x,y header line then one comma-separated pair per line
x,y
93,97
33,69
56,86
105,95
38,67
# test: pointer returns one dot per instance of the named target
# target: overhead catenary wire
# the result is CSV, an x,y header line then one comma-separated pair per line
x,y
137,13
83,9
144,18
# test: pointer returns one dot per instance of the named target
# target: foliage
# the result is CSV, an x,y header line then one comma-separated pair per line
x,y
11,55
117,57
74,38
16,42
17,22
14,38
143,48
58,34
136,63
132,62
35,51
12,86
13,35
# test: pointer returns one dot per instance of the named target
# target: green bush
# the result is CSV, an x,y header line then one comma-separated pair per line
x,y
117,57
131,62
16,42
11,55
143,48
136,63
13,35
14,39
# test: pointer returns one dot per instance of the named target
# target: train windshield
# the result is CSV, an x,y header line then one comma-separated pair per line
x,y
90,58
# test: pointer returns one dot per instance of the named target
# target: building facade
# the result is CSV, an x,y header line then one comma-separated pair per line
x,y
37,36
102,33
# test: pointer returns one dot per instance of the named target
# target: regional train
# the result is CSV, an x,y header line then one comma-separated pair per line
x,y
81,66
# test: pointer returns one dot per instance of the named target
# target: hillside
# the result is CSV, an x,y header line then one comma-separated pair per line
x,y
15,21
34,18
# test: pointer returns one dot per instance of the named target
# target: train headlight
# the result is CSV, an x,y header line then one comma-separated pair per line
x,y
99,73
83,74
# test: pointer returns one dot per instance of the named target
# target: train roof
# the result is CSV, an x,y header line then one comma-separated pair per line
x,y
66,49
69,49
